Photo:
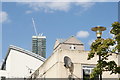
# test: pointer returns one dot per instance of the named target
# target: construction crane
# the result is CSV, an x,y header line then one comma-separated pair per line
x,y
34,27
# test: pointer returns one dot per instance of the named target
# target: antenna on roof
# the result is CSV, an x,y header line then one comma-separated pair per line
x,y
40,34
34,26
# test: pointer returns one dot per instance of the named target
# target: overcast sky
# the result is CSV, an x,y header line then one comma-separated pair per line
x,y
54,20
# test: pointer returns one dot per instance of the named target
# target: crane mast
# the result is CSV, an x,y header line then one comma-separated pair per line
x,y
34,27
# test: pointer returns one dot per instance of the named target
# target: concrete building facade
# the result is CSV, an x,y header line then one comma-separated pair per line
x,y
54,67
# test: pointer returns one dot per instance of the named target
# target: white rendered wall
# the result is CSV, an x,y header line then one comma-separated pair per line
x,y
18,64
53,67
3,73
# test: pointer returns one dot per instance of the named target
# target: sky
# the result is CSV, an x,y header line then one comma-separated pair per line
x,y
54,20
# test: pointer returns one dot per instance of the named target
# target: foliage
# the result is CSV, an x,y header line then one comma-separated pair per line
x,y
101,47
116,32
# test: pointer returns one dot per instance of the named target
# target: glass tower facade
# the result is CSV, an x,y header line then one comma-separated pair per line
x,y
39,45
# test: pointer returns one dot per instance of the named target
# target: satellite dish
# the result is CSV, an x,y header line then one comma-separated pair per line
x,y
67,62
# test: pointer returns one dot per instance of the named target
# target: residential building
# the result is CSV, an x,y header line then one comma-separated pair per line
x,y
39,45
55,66
20,63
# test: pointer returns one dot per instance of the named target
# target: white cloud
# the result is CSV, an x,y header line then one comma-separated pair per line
x,y
50,6
3,16
91,41
82,34
60,0
28,12
85,5
57,6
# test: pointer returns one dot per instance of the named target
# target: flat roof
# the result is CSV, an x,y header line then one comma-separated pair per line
x,y
38,36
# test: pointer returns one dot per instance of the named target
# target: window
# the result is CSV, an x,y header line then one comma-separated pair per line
x,y
72,47
87,70
3,78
